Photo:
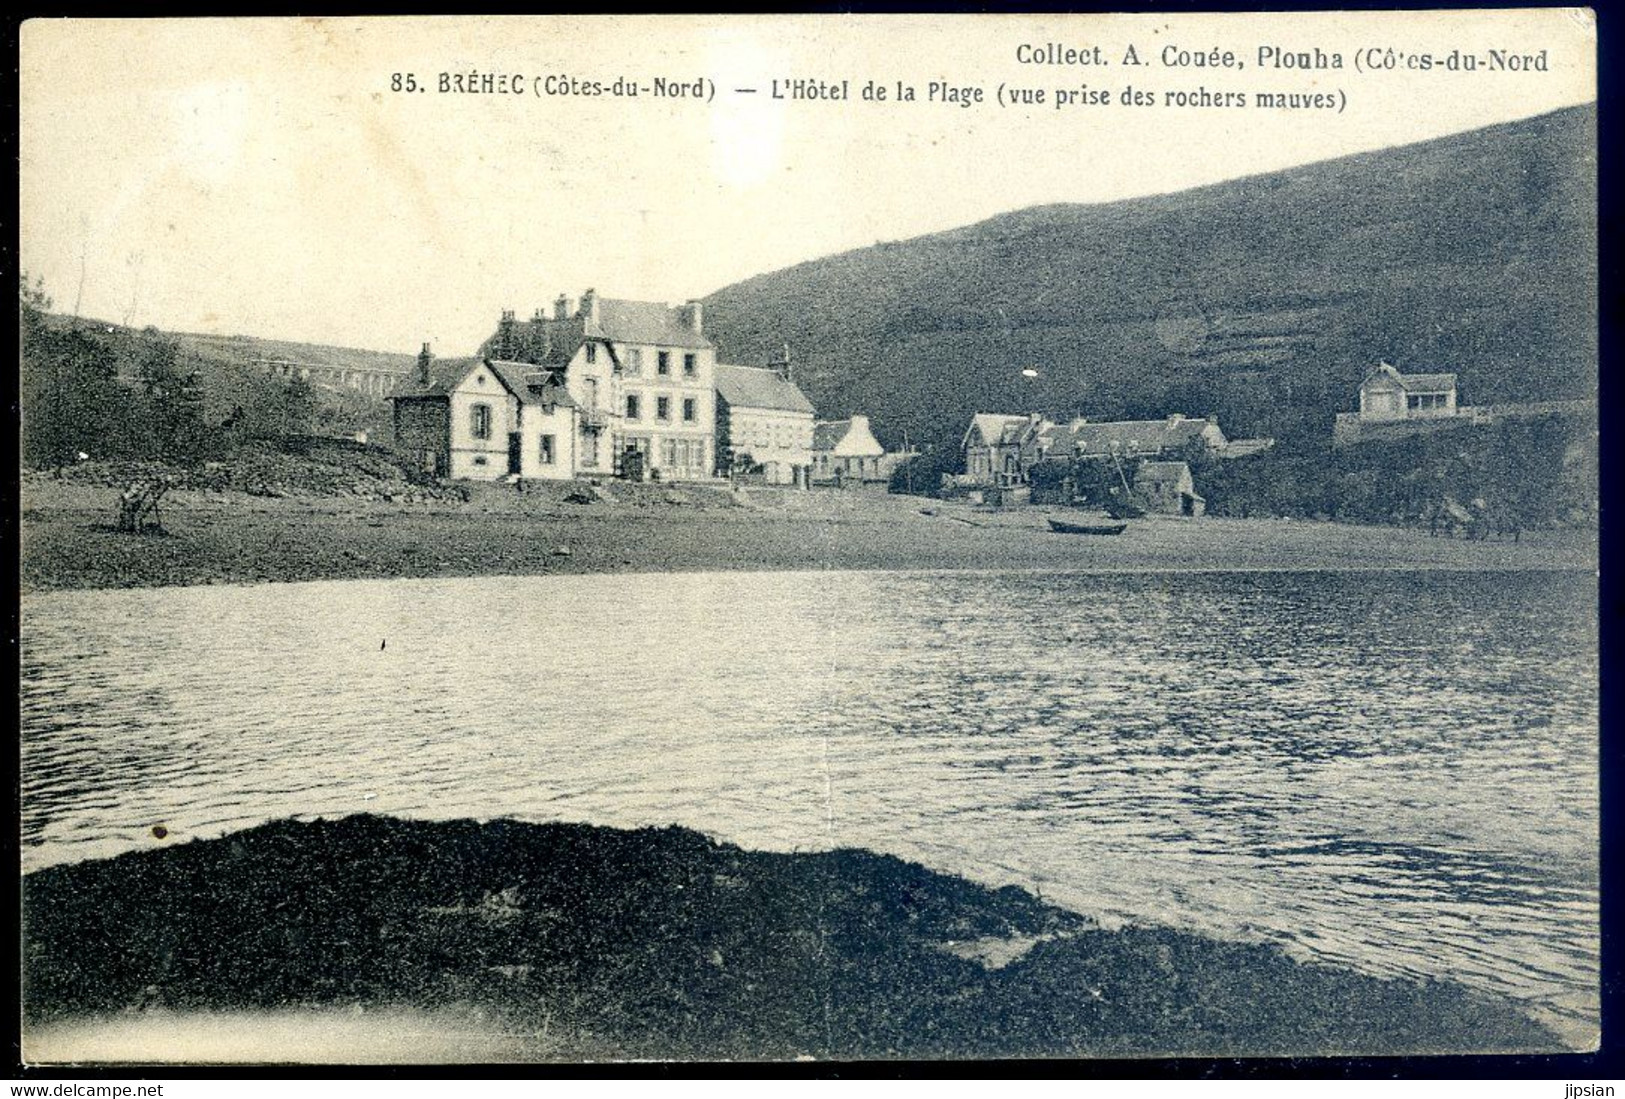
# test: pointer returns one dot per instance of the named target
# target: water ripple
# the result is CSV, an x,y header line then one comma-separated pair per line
x,y
1396,772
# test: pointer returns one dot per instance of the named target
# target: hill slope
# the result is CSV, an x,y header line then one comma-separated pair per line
x,y
1262,300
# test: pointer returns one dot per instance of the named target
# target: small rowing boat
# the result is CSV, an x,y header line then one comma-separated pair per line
x,y
1062,527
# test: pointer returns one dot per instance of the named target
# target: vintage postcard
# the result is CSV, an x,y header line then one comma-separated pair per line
x,y
808,537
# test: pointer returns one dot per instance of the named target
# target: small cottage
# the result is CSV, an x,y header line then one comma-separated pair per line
x,y
1166,488
846,450
1386,394
485,419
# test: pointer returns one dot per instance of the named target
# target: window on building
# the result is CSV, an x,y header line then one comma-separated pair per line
x,y
592,352
479,459
682,453
634,362
480,424
662,408
545,449
689,406
689,361
632,409
663,363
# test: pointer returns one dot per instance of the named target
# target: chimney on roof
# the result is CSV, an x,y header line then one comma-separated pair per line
x,y
561,308
781,365
692,315
539,315
424,359
589,307
504,347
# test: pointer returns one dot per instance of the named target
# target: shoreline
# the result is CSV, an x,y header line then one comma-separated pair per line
x,y
234,538
566,941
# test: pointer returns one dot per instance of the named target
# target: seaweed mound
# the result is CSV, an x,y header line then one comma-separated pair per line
x,y
661,943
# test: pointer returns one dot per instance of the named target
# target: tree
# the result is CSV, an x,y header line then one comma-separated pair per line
x,y
298,408
174,402
32,296
71,402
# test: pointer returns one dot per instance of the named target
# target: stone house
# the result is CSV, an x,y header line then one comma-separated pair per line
x,y
486,419
764,417
1166,488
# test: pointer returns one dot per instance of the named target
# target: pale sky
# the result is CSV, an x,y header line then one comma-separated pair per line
x,y
261,177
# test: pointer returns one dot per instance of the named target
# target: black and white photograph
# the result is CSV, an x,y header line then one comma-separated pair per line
x,y
808,538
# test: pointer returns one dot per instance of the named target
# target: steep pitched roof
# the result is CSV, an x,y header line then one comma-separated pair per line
x,y
644,322
1427,383
847,438
530,385
524,380
1135,436
540,340
828,434
551,341
444,376
1245,448
1162,472
1411,383
754,387
997,428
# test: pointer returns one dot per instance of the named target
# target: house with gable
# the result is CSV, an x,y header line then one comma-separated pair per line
x,y
1001,450
846,451
1386,394
485,419
994,444
641,374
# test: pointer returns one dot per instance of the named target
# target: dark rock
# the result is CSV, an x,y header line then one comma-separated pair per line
x,y
835,954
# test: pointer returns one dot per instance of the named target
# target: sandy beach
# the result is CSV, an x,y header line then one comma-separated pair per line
x,y
234,538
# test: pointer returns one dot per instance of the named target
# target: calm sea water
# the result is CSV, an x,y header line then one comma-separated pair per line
x,y
1396,772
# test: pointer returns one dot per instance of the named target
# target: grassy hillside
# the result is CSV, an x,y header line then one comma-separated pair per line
x,y
1263,299
231,380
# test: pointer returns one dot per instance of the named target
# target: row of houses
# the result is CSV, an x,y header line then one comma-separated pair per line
x,y
1002,451
624,389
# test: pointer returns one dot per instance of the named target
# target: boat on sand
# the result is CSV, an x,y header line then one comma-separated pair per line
x,y
1062,526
